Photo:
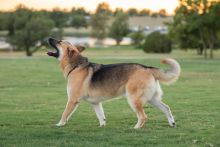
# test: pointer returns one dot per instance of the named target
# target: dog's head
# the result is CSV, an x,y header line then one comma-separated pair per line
x,y
64,50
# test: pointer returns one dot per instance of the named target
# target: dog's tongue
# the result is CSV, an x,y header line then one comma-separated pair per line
x,y
51,54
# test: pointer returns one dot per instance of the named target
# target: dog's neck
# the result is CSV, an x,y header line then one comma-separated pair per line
x,y
71,66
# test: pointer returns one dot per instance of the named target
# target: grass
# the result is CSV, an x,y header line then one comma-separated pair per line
x,y
33,96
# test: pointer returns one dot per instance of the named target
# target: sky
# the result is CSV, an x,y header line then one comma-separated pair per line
x,y
154,5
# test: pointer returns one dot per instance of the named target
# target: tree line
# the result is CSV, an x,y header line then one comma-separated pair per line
x,y
28,28
195,25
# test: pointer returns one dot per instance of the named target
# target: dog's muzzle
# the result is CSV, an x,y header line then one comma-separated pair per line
x,y
53,42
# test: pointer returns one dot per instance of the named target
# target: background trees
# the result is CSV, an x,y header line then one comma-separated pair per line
x,y
77,18
137,37
60,18
78,21
119,27
196,25
26,29
157,43
99,22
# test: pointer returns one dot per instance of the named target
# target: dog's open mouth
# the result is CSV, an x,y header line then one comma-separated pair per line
x,y
52,42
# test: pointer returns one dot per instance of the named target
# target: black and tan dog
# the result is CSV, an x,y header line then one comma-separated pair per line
x,y
95,83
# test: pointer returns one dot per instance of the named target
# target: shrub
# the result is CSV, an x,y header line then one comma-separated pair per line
x,y
137,37
157,43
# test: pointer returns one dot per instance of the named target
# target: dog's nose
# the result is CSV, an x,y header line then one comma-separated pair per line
x,y
51,40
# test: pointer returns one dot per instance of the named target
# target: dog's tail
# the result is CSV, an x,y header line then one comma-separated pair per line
x,y
170,75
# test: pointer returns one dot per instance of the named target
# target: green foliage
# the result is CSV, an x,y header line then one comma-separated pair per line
x,y
59,17
162,13
79,11
196,24
34,31
118,10
154,14
132,12
27,29
157,43
104,8
99,25
137,37
2,19
145,12
119,27
78,21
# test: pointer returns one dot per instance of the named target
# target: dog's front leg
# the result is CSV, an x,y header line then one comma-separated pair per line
x,y
71,106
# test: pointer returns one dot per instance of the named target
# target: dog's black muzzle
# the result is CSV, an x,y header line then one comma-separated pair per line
x,y
53,42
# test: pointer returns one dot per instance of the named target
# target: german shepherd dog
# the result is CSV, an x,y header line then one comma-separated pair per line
x,y
96,83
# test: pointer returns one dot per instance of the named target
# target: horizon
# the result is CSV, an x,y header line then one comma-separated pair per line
x,y
90,5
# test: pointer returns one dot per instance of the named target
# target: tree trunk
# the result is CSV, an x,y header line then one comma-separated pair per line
x,y
28,52
60,33
211,53
118,42
212,43
205,53
199,51
200,48
203,43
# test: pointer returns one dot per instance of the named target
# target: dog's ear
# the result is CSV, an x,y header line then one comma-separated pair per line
x,y
80,48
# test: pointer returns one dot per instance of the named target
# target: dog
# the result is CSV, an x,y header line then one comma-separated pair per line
x,y
96,83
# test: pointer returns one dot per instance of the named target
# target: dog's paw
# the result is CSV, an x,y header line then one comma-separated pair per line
x,y
102,124
172,124
60,124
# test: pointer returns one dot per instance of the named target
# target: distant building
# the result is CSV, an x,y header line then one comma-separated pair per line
x,y
150,24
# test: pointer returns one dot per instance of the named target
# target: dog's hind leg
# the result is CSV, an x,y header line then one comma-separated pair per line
x,y
99,113
134,96
165,109
137,106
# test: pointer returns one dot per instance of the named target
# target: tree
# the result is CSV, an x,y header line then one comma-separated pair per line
x,y
79,11
118,10
119,27
145,12
137,37
162,13
99,22
60,19
104,8
2,19
198,23
132,12
29,29
154,14
78,21
35,31
157,43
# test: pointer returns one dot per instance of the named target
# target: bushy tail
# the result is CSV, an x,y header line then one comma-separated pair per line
x,y
170,75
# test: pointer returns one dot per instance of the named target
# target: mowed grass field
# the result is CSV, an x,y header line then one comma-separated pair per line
x,y
33,96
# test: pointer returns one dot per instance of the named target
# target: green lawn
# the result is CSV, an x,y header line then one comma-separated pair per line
x,y
33,96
